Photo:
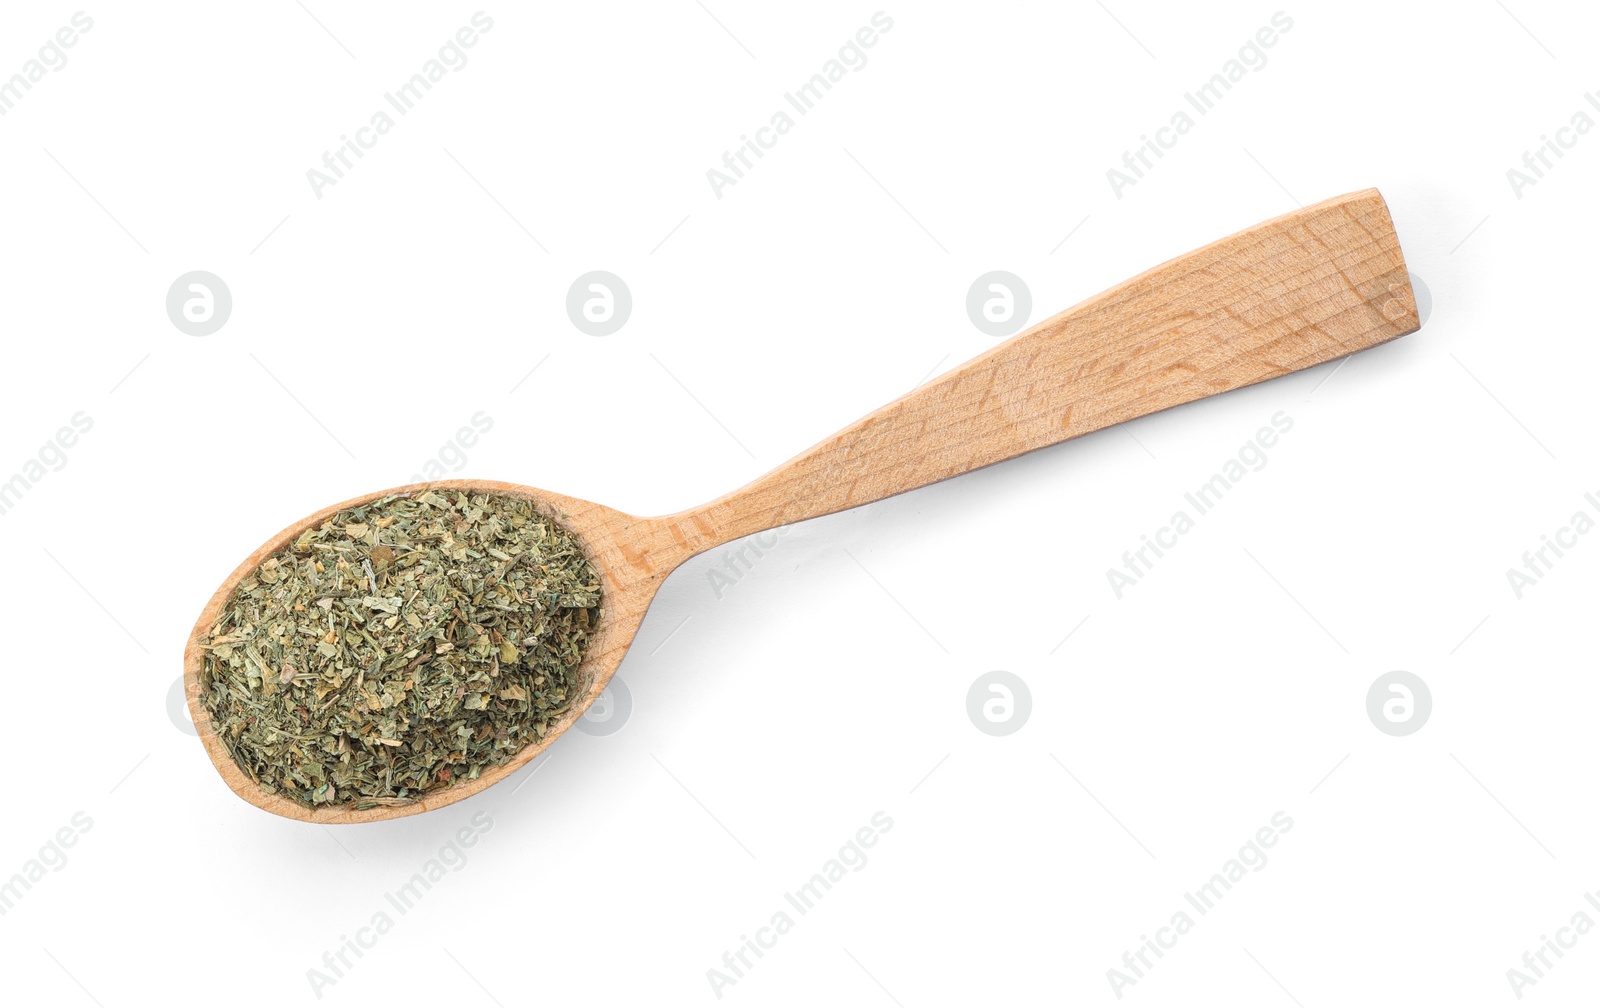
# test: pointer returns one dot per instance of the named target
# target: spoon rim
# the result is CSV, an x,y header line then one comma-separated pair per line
x,y
620,615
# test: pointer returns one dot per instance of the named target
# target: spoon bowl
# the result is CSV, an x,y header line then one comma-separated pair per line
x,y
627,552
1303,289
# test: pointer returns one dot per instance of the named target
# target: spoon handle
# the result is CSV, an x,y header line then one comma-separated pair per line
x,y
1289,293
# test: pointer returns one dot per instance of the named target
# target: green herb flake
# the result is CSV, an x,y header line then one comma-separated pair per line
x,y
401,646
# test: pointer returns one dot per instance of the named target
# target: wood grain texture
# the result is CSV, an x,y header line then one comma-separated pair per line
x,y
1287,294
1299,290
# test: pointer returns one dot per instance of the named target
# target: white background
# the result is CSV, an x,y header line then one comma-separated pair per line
x,y
829,683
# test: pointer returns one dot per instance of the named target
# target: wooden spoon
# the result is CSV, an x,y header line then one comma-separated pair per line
x,y
1293,292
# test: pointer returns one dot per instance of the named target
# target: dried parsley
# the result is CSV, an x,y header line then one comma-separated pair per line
x,y
400,647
